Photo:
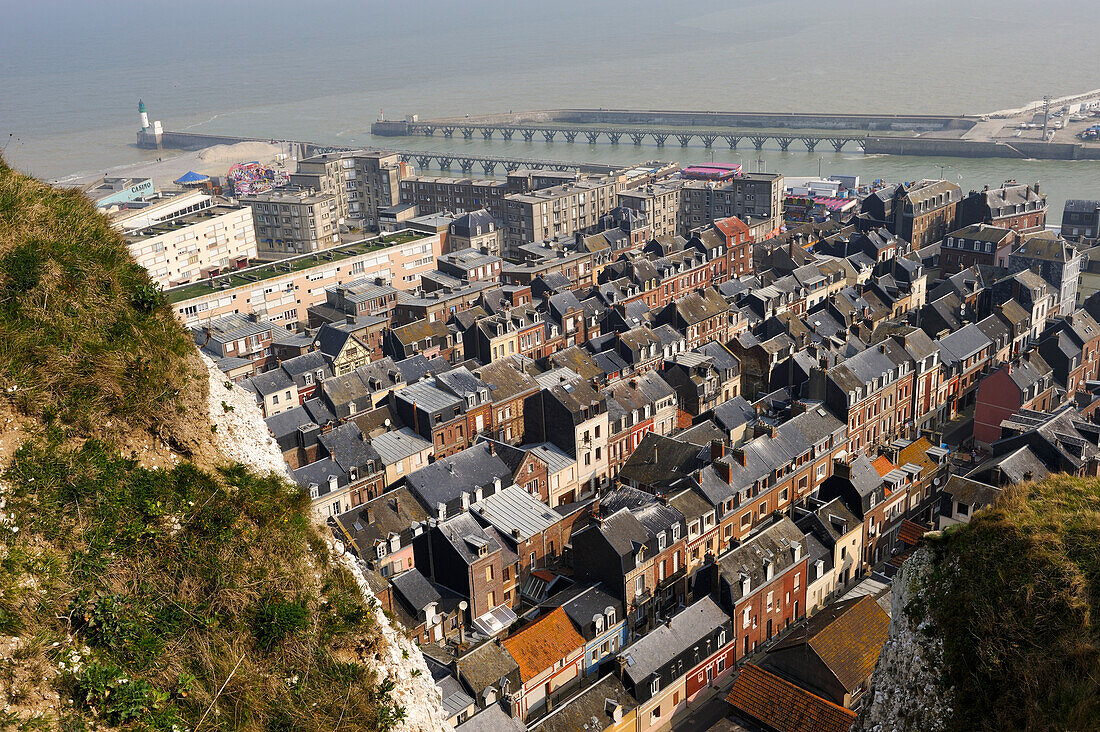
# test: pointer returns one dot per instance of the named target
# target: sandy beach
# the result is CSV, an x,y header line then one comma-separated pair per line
x,y
212,161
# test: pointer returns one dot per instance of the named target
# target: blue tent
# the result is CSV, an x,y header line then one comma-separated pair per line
x,y
191,178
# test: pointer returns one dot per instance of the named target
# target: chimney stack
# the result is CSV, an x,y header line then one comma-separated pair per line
x,y
739,455
717,449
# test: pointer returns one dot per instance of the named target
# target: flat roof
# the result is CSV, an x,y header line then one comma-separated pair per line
x,y
252,275
182,222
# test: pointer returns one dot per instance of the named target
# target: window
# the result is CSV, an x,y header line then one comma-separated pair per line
x,y
654,688
721,639
489,573
655,715
771,601
721,664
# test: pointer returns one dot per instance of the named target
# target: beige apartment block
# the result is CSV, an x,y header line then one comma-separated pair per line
x,y
752,197
559,211
284,297
372,182
658,204
187,247
292,222
325,174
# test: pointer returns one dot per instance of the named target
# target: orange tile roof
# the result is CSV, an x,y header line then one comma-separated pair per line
x,y
543,643
847,636
785,707
917,453
731,225
911,532
882,465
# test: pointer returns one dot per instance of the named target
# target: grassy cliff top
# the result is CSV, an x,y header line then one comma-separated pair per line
x,y
1016,600
199,596
87,336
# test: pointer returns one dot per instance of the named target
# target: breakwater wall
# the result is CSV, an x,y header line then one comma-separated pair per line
x,y
1020,149
686,118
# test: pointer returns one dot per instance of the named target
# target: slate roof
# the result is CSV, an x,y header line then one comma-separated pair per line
x,y
466,536
665,642
392,447
543,643
492,719
375,520
505,381
1014,466
783,706
514,509
595,703
582,603
448,478
847,636
773,543
348,448
971,492
660,461
486,665
415,589
734,413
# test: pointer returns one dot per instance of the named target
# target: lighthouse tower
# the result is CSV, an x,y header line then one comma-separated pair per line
x,y
144,115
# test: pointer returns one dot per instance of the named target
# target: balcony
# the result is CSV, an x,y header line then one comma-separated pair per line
x,y
672,578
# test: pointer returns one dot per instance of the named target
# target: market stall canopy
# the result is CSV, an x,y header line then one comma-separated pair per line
x,y
192,178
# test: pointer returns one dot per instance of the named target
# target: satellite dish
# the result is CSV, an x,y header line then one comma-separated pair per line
x,y
387,423
434,619
463,605
936,481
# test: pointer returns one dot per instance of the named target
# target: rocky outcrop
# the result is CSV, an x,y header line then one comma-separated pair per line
x,y
906,694
241,435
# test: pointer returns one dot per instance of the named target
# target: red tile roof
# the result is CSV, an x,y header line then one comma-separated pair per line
x,y
911,532
785,707
543,643
882,465
731,226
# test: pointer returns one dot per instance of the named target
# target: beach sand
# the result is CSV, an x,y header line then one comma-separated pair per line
x,y
212,161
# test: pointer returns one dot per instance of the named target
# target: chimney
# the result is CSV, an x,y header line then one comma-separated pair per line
x,y
515,533
717,449
350,319
723,470
492,447
738,455
664,499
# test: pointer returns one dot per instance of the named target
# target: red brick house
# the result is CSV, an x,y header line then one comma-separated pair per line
x,y
1027,383
761,583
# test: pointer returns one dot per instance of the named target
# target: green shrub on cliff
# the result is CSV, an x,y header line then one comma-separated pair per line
x,y
1016,599
194,597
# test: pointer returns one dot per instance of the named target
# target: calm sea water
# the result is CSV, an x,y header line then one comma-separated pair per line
x,y
71,73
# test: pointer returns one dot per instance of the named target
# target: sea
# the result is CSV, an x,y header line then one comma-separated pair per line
x,y
71,73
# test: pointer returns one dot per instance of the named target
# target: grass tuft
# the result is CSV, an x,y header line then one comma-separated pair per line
x,y
1016,599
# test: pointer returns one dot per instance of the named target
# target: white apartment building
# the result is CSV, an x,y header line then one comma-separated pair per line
x,y
188,237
